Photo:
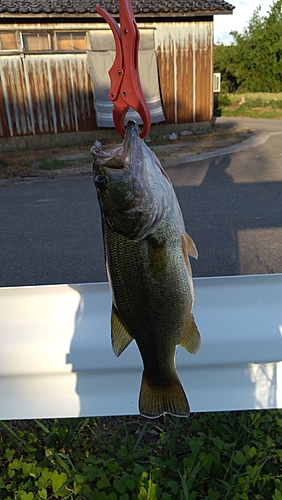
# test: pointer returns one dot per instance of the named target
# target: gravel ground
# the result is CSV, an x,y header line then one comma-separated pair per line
x,y
43,164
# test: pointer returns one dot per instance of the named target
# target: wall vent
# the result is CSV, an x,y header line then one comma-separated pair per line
x,y
216,82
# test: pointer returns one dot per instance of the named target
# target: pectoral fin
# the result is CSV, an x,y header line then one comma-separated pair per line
x,y
121,337
156,258
192,338
189,248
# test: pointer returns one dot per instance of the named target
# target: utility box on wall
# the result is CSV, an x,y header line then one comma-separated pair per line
x,y
216,82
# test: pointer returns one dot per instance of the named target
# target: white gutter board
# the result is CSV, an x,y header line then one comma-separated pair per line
x,y
56,358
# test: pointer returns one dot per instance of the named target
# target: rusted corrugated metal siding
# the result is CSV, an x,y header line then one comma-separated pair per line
x,y
166,69
184,68
185,62
53,93
45,94
204,72
13,98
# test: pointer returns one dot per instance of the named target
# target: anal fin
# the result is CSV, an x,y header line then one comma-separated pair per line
x,y
121,337
192,338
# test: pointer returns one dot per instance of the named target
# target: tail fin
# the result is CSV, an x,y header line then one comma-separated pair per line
x,y
155,400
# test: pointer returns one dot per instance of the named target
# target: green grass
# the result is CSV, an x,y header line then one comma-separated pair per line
x,y
51,163
251,105
254,96
231,456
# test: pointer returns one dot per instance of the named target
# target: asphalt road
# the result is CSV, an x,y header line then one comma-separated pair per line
x,y
231,201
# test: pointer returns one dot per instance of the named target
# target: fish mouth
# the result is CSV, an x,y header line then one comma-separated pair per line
x,y
108,156
119,156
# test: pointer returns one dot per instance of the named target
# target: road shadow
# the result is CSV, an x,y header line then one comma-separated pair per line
x,y
235,225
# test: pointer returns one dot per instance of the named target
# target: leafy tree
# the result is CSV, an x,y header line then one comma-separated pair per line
x,y
253,62
225,63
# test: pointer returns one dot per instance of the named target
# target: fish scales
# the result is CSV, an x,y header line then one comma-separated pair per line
x,y
146,253
159,312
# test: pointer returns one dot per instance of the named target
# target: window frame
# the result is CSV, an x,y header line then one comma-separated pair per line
x,y
71,32
35,51
9,51
52,42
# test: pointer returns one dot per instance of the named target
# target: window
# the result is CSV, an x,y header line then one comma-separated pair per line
x,y
36,41
69,42
8,41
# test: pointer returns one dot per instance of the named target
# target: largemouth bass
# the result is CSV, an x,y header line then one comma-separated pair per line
x,y
147,260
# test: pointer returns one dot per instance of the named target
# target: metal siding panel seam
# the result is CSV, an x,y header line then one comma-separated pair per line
x,y
28,90
194,74
5,86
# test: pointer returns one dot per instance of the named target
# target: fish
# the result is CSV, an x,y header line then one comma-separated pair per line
x,y
147,261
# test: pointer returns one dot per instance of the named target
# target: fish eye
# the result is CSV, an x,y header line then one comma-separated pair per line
x,y
100,182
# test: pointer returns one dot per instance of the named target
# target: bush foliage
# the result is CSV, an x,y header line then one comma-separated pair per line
x,y
212,456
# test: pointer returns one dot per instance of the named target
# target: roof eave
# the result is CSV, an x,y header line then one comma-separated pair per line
x,y
96,17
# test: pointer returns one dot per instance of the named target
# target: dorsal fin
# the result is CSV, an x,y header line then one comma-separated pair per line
x,y
189,246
